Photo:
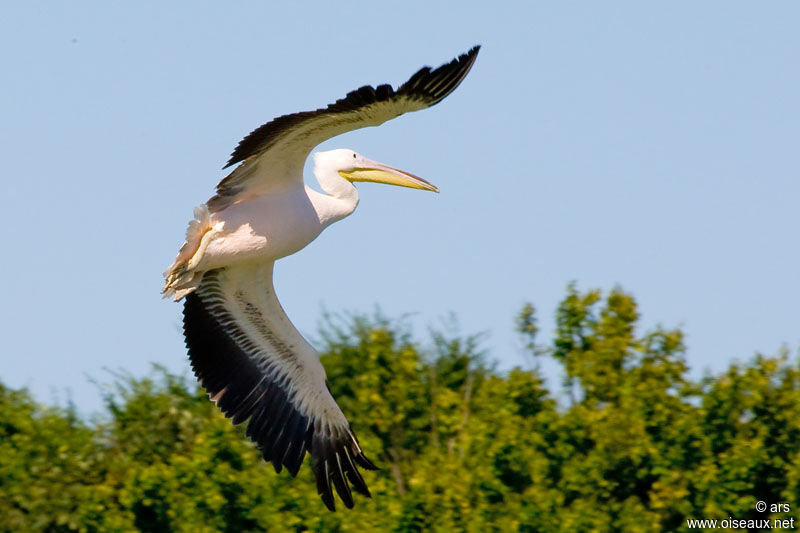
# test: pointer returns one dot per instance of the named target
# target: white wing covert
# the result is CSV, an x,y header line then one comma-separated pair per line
x,y
255,365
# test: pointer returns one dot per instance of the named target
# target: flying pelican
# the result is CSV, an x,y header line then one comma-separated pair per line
x,y
244,350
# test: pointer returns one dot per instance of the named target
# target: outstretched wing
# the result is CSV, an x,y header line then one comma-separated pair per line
x,y
256,366
275,152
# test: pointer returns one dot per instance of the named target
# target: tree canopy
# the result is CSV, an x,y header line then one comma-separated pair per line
x,y
629,442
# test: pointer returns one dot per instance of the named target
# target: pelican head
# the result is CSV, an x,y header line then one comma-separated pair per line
x,y
353,167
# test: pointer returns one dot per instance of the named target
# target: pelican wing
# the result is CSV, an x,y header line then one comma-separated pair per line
x,y
256,366
275,152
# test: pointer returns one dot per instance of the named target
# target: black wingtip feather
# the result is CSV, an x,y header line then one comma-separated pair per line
x,y
355,476
433,85
322,474
365,463
335,467
339,481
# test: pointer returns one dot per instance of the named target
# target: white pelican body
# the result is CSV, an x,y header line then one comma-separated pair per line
x,y
281,222
269,227
244,350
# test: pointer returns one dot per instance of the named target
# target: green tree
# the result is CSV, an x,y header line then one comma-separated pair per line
x,y
637,446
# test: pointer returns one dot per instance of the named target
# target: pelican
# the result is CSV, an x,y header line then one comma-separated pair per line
x,y
244,351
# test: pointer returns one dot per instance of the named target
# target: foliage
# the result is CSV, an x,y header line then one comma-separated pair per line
x,y
639,446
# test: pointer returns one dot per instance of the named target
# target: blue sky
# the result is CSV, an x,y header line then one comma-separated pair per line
x,y
651,146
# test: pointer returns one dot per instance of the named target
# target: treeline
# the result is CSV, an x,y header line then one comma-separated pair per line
x,y
633,444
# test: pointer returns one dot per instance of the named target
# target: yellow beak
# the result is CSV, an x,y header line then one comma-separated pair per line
x,y
380,173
